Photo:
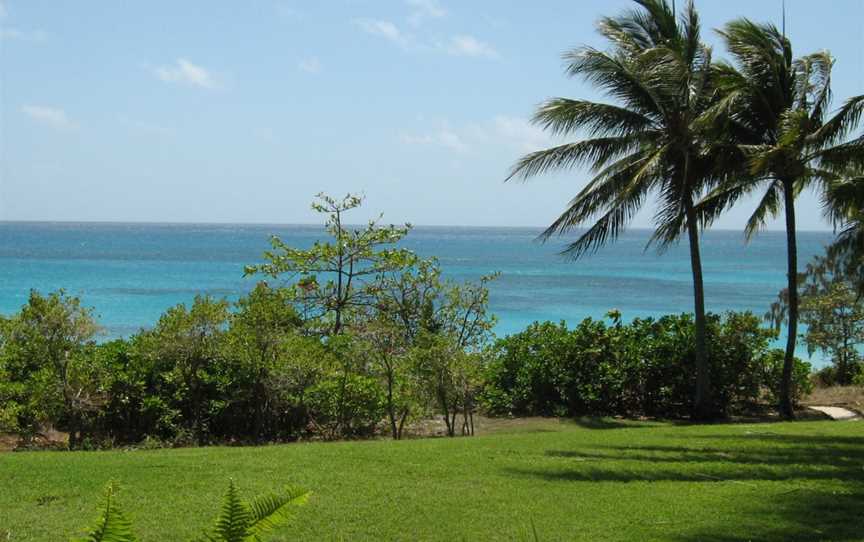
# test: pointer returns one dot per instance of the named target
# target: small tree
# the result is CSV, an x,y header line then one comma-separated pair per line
x,y
186,345
264,324
384,345
833,311
333,280
45,359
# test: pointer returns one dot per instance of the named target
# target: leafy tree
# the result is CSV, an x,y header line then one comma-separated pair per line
x,y
262,332
46,362
650,143
186,344
776,113
445,372
833,311
385,345
334,279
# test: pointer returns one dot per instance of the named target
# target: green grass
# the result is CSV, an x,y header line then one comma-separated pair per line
x,y
603,481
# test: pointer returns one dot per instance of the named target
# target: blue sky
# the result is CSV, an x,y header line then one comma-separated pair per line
x,y
241,111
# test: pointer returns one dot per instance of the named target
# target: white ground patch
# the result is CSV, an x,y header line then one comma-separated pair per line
x,y
837,413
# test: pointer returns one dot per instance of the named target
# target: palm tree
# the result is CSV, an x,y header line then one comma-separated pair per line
x,y
844,207
776,113
658,72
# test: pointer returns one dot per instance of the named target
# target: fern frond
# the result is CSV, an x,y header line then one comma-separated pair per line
x,y
112,525
271,511
234,519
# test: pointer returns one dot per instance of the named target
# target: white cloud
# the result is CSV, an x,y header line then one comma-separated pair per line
x,y
311,65
424,9
384,29
49,116
144,126
469,46
185,72
520,133
514,133
22,35
443,138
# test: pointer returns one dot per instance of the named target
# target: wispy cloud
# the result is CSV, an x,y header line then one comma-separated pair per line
x,y
445,138
12,33
520,133
23,35
469,46
142,126
424,9
187,73
50,116
311,65
501,131
385,29
460,45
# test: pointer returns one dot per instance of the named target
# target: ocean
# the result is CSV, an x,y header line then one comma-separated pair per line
x,y
131,273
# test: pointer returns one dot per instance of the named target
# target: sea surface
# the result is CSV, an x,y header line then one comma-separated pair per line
x,y
131,273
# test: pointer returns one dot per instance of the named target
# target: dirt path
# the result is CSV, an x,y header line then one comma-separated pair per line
x,y
837,413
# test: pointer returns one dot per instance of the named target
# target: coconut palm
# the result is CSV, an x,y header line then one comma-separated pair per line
x,y
645,144
844,207
776,110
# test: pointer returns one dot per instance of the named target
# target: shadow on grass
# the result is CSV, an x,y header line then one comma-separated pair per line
x,y
790,511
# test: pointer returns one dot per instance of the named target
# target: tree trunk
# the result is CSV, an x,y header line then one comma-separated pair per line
x,y
391,408
702,407
786,408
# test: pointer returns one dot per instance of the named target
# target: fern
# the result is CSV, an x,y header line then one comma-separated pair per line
x,y
112,525
271,511
247,522
238,521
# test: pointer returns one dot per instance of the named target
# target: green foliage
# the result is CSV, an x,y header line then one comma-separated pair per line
x,y
641,368
334,280
833,311
49,379
112,525
345,405
238,521
185,347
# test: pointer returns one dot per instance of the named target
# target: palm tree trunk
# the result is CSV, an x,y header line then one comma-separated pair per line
x,y
786,407
702,408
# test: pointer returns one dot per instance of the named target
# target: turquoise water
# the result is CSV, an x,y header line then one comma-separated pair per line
x,y
130,273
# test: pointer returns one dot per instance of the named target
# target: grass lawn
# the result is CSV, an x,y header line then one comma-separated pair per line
x,y
589,481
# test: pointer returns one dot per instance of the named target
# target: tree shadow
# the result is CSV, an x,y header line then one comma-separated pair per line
x,y
594,422
801,509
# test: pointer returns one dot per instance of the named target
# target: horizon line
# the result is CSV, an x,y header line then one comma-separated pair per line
x,y
309,224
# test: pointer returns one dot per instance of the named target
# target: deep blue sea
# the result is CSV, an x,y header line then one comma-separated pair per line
x,y
131,273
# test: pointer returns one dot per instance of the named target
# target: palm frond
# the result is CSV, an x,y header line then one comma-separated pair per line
x,y
594,152
563,116
768,207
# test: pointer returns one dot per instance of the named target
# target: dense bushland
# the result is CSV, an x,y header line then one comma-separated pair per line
x,y
645,367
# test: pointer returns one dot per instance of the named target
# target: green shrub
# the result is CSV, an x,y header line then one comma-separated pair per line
x,y
641,368
345,406
802,383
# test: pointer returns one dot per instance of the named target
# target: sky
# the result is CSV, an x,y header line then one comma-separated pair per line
x,y
241,111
